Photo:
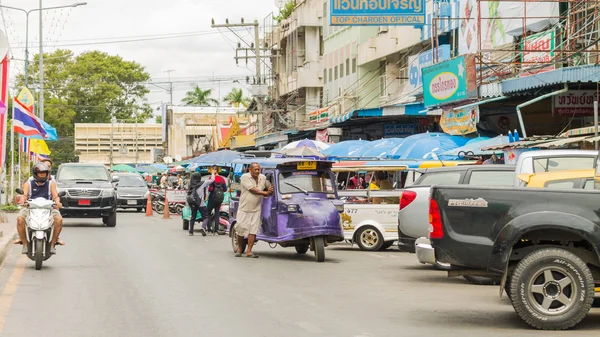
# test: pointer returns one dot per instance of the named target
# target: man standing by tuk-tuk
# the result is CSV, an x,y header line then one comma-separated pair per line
x,y
254,187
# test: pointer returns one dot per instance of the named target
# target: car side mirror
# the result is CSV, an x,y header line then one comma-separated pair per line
x,y
62,194
115,179
19,191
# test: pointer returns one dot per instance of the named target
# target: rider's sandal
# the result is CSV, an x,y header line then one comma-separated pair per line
x,y
252,255
60,242
18,242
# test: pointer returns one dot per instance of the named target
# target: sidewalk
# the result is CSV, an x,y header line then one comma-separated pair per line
x,y
8,233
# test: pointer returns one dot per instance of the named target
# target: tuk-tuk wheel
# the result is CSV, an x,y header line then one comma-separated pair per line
x,y
234,243
302,248
318,243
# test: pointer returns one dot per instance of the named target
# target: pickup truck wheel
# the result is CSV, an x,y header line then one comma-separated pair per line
x,y
552,289
111,220
482,280
369,238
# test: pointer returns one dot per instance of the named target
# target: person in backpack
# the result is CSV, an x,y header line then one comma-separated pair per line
x,y
217,187
195,198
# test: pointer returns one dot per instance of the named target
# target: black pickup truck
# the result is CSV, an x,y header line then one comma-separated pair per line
x,y
545,244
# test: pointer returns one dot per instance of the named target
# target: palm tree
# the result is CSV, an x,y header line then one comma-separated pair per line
x,y
236,97
199,97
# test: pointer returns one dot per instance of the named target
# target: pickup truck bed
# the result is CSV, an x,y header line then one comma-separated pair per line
x,y
545,244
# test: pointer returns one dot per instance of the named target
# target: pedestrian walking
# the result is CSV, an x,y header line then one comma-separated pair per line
x,y
216,188
254,187
195,198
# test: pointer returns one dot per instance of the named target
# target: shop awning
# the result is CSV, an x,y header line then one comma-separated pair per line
x,y
409,109
588,130
272,138
590,73
341,118
560,142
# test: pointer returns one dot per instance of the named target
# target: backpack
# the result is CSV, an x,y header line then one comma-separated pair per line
x,y
192,198
218,192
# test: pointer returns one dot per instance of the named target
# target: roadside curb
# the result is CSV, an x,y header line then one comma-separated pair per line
x,y
7,236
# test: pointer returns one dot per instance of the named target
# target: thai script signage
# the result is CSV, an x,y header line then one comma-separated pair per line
x,y
460,122
575,103
377,12
399,130
450,81
535,62
417,62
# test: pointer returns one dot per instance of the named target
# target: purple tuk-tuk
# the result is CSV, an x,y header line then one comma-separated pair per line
x,y
304,210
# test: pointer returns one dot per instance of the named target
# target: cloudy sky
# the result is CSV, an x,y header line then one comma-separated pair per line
x,y
202,54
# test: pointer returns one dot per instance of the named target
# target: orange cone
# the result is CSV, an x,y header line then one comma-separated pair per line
x,y
149,205
166,214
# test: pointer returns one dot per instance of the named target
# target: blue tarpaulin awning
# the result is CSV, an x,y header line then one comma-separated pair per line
x,y
590,73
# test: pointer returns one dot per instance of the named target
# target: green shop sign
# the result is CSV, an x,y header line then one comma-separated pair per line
x,y
450,81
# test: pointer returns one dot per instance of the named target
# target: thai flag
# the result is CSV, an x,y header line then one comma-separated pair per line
x,y
24,144
25,122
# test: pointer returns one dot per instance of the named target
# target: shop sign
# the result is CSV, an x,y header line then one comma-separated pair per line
x,y
544,42
575,103
460,122
399,130
377,12
450,81
417,62
322,136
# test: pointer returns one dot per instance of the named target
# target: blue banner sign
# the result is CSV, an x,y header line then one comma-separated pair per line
x,y
377,12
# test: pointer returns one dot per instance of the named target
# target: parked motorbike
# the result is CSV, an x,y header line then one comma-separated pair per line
x,y
39,228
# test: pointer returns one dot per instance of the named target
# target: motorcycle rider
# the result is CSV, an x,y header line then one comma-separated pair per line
x,y
40,187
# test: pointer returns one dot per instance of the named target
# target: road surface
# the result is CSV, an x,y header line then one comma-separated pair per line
x,y
146,277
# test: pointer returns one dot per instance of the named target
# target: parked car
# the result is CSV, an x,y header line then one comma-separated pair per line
x,y
413,219
90,192
554,160
132,191
574,179
543,243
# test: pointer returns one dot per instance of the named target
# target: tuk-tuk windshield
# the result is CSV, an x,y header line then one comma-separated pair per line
x,y
305,182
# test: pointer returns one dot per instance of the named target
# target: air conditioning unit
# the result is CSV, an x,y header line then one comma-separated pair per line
x,y
320,74
383,29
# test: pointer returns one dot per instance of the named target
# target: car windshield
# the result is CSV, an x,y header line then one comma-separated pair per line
x,y
131,181
82,173
305,182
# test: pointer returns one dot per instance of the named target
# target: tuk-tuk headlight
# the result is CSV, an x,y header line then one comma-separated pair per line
x,y
292,208
339,207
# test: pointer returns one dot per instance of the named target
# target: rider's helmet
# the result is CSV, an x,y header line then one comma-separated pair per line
x,y
41,167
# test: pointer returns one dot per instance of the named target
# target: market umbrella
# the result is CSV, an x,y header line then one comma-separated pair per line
x,y
342,149
307,142
149,169
161,167
380,149
123,168
217,158
476,147
303,152
426,146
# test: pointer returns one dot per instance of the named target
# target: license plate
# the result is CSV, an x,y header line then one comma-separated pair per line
x,y
83,202
307,165
131,202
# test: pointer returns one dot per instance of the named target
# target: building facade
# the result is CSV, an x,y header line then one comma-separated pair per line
x,y
130,143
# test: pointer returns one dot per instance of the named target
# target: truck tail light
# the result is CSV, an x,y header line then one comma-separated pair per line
x,y
407,198
436,231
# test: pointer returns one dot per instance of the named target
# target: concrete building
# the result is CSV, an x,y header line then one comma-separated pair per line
x,y
131,143
193,130
297,69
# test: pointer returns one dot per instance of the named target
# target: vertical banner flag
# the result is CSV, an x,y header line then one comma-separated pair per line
x,y
24,144
3,108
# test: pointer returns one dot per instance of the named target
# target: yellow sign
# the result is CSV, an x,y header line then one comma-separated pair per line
x,y
306,165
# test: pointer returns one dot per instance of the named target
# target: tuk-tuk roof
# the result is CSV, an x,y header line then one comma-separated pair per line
x,y
393,165
274,162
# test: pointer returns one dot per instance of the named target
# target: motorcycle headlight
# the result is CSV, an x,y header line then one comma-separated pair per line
x,y
108,192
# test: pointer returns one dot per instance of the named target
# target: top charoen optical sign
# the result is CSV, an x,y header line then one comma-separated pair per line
x,y
377,12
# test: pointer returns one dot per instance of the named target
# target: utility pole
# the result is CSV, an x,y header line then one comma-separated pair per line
x,y
255,47
170,85
41,102
112,123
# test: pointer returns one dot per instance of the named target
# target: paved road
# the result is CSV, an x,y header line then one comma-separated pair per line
x,y
146,277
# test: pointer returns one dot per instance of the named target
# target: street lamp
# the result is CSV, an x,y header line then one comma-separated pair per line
x,y
27,12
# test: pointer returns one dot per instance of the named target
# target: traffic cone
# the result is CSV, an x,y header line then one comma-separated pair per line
x,y
149,205
166,214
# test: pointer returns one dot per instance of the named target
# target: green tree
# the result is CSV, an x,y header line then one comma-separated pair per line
x,y
89,88
198,97
236,97
286,11
158,119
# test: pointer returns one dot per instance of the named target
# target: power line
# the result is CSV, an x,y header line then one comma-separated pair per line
x,y
200,33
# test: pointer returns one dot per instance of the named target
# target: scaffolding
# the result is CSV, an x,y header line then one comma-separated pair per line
x,y
545,41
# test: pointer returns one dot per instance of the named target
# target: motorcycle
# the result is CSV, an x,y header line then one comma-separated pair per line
x,y
39,228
